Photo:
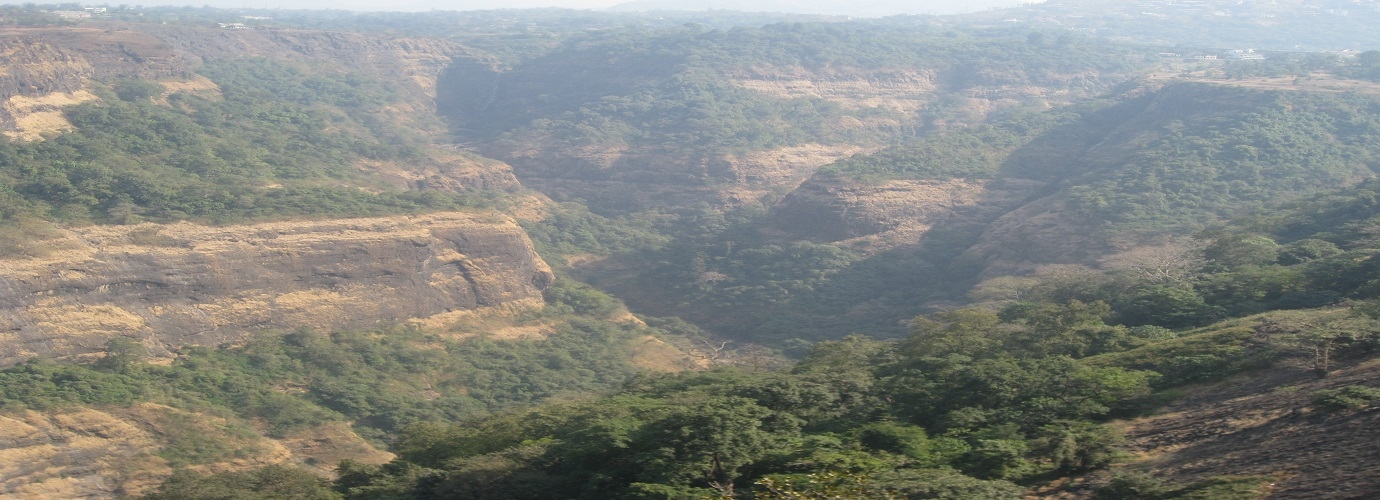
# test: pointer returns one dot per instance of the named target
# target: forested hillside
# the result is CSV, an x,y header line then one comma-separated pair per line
x,y
1016,389
683,109
555,254
223,167
865,243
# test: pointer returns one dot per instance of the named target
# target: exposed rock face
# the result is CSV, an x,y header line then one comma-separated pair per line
x,y
880,104
184,284
444,171
31,70
412,63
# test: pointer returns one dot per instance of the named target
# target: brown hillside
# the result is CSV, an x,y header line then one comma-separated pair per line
x,y
1263,424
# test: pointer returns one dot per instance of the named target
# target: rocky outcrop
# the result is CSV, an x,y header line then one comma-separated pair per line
x,y
444,170
32,70
185,284
35,68
74,454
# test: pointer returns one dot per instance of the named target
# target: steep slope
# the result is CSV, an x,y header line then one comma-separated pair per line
x,y
88,453
186,123
628,120
49,68
193,285
179,326
1188,156
874,239
38,78
1265,424
1162,160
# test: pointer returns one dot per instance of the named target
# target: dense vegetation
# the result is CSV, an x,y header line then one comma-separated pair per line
x,y
684,437
1172,162
1287,145
380,380
279,141
666,91
1192,154
970,403
978,400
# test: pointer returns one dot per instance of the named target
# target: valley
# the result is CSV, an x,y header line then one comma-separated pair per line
x,y
545,254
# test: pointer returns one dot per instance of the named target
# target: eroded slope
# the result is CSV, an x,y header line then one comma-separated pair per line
x,y
185,284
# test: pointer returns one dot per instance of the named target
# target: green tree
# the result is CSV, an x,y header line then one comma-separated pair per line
x,y
1317,340
122,354
1231,251
709,442
275,482
971,332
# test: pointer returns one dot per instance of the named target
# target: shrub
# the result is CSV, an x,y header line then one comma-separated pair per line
x,y
1351,397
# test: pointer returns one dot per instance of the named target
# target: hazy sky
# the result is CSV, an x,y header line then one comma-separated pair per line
x,y
858,7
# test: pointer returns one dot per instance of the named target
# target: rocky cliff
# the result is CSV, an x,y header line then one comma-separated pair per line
x,y
185,284
36,77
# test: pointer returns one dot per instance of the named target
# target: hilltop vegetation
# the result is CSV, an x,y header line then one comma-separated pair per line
x,y
380,381
277,141
1128,172
971,403
671,91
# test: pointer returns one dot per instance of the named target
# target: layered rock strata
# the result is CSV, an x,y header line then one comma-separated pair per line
x,y
185,284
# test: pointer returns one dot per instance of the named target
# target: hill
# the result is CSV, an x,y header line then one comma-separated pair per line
x,y
550,255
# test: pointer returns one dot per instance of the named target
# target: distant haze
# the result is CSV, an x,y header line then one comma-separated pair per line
x,y
861,8
872,8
